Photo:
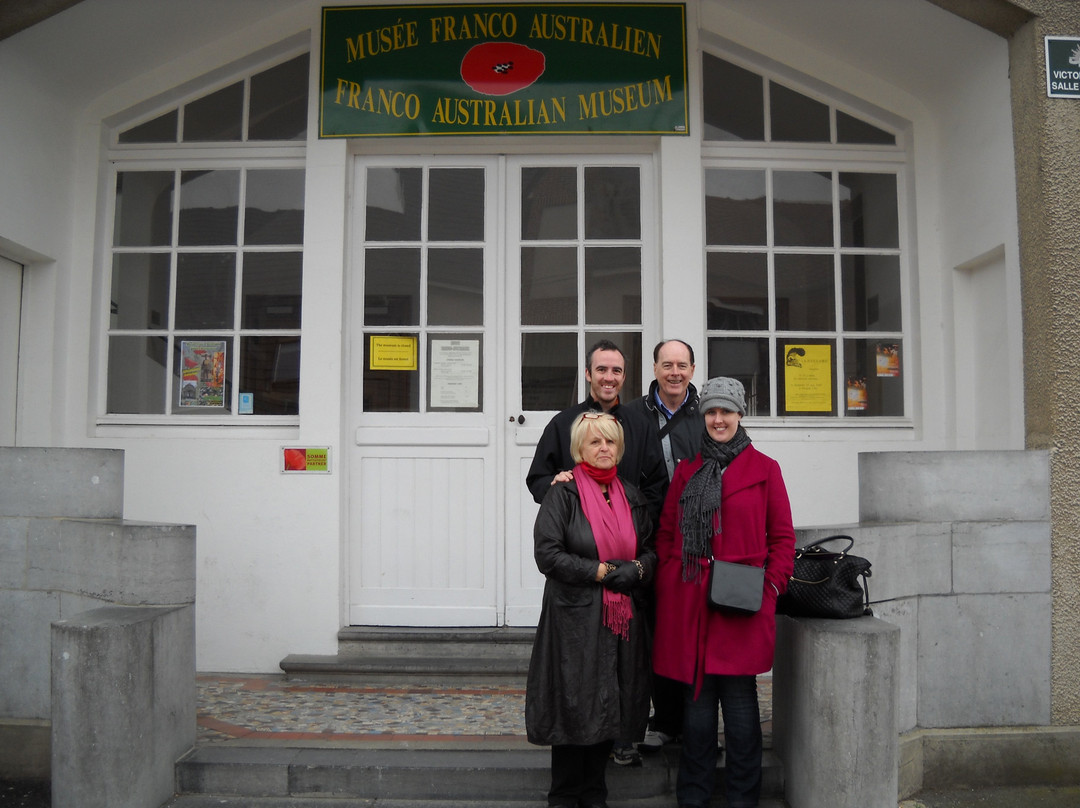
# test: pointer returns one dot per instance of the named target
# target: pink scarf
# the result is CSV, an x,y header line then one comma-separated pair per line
x,y
613,530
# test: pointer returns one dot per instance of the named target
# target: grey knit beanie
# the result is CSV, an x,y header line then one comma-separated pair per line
x,y
723,392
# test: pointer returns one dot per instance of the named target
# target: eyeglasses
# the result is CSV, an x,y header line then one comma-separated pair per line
x,y
593,416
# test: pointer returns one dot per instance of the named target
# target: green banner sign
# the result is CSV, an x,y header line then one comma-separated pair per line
x,y
566,68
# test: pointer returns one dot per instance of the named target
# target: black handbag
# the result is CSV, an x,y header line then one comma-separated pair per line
x,y
827,584
735,587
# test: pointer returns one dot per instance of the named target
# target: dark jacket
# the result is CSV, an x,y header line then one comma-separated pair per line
x,y
642,463
585,685
682,431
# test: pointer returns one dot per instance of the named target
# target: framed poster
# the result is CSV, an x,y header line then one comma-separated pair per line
x,y
202,374
808,378
454,380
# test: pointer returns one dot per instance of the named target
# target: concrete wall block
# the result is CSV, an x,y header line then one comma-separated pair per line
x,y
904,613
121,711
996,557
24,652
835,688
72,605
907,559
984,660
1042,756
82,483
14,532
123,562
954,486
175,691
24,749
45,565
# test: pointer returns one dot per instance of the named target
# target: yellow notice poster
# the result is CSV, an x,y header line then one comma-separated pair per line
x,y
808,378
393,353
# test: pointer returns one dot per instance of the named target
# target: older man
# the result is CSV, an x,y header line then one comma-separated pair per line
x,y
671,405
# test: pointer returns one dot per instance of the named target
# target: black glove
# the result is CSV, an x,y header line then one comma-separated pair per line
x,y
623,578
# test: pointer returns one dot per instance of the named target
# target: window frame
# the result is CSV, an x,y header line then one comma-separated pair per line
x,y
836,159
241,155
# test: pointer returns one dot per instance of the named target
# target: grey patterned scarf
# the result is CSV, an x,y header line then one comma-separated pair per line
x,y
699,504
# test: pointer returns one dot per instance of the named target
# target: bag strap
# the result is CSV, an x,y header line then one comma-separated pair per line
x,y
867,611
850,543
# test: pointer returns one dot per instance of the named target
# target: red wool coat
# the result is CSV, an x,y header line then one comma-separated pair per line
x,y
755,517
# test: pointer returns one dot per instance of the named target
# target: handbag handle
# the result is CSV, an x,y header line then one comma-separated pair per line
x,y
813,544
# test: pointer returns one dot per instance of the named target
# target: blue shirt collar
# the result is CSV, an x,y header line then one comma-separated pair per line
x,y
663,407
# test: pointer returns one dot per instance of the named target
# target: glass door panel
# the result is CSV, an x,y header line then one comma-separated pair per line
x,y
580,275
423,259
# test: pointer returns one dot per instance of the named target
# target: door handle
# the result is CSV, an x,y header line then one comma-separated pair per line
x,y
520,419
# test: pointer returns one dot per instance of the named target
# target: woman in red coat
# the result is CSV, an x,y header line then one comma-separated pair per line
x,y
728,503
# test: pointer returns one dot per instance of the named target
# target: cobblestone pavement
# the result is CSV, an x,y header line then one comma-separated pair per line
x,y
273,709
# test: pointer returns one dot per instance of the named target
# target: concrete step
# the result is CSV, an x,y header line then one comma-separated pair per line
x,y
426,669
223,775
667,801
378,655
493,642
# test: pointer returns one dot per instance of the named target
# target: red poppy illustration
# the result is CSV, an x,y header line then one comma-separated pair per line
x,y
295,460
501,68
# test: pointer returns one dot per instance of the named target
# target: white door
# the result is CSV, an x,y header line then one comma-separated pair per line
x,y
476,286
10,324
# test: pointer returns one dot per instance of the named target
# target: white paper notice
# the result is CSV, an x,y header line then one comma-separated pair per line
x,y
455,373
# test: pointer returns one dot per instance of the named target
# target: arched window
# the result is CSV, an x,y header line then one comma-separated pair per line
x,y
207,201
804,248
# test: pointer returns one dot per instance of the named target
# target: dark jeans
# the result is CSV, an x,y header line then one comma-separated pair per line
x,y
578,774
737,697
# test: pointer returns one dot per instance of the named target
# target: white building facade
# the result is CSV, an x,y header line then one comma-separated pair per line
x,y
846,188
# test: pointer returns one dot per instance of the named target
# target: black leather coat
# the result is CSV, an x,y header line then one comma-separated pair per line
x,y
586,685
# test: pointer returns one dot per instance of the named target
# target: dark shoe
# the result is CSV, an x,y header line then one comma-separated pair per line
x,y
626,756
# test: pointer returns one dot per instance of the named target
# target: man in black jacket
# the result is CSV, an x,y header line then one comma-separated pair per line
x,y
642,463
671,405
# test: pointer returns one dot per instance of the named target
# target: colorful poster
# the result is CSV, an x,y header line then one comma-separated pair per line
x,y
856,393
202,373
888,359
808,378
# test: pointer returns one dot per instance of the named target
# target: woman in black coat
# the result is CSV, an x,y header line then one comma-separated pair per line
x,y
589,674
